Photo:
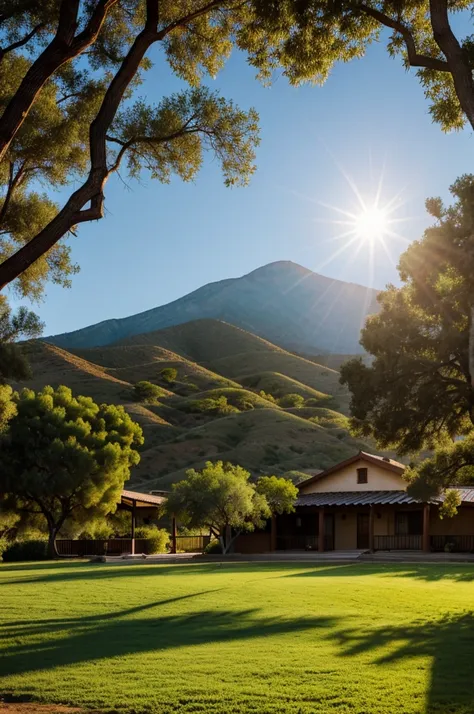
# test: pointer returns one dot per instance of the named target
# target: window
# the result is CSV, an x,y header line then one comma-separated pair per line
x,y
361,475
409,523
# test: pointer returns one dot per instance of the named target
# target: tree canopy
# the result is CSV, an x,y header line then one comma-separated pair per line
x,y
222,498
66,457
418,391
70,76
22,324
307,37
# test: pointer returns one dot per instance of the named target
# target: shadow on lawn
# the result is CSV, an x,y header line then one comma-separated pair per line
x,y
52,643
67,570
429,572
448,642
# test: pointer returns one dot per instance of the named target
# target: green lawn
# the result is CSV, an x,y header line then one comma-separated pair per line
x,y
358,639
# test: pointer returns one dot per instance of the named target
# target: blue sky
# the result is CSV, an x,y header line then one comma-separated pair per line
x,y
159,242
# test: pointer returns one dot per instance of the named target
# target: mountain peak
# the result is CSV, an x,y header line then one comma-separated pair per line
x,y
282,302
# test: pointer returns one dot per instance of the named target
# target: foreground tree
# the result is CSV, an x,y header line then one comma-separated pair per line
x,y
64,456
451,465
15,326
418,391
307,37
69,72
222,498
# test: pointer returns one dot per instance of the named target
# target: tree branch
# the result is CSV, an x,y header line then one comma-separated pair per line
x,y
456,57
62,48
414,59
20,43
91,191
13,181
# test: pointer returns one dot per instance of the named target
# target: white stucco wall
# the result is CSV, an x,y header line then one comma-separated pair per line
x,y
378,479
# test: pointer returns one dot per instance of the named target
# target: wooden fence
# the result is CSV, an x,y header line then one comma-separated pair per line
x,y
121,546
112,546
192,544
398,542
454,544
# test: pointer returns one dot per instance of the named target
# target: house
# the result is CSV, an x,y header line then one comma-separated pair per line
x,y
362,503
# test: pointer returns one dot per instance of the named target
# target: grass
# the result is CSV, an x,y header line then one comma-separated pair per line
x,y
266,639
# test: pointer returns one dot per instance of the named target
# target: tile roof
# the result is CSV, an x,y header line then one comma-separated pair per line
x,y
368,498
143,497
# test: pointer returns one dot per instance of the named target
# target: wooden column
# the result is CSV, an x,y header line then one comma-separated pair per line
x,y
173,535
426,528
134,521
371,528
321,531
273,534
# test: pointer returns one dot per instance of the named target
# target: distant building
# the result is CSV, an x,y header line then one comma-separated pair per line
x,y
362,503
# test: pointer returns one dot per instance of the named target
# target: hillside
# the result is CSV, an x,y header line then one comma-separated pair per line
x,y
229,399
283,302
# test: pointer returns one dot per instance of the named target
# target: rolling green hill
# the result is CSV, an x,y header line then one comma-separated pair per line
x,y
222,404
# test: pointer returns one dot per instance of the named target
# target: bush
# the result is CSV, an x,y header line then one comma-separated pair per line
x,y
212,406
267,396
169,374
26,550
291,400
147,392
213,547
4,543
157,538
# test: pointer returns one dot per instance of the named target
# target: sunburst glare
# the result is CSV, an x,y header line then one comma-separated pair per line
x,y
372,223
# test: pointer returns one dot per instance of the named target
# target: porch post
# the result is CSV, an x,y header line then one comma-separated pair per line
x,y
371,528
426,528
273,533
173,534
321,531
134,519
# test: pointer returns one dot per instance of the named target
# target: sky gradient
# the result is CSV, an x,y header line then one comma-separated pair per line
x,y
158,242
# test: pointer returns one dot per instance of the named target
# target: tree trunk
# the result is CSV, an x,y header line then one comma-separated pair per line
x,y
52,550
456,57
471,345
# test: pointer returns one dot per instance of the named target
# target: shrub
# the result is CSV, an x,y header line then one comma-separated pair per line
x,y
213,547
147,392
291,400
25,550
157,538
4,543
212,406
169,374
267,396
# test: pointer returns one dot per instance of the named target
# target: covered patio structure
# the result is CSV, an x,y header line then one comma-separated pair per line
x,y
375,520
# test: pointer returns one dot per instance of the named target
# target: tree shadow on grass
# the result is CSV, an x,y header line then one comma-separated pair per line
x,y
67,571
427,572
37,646
449,643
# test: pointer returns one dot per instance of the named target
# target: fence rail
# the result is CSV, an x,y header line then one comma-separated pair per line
x,y
192,544
398,542
111,546
454,544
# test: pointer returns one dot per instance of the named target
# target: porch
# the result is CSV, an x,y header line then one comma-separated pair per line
x,y
375,521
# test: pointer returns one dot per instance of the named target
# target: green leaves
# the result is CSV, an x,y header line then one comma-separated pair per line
x,y
221,496
418,390
172,137
64,455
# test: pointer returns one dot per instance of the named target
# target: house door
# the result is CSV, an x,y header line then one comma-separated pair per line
x,y
363,530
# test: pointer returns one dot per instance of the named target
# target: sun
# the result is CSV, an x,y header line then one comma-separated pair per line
x,y
371,224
